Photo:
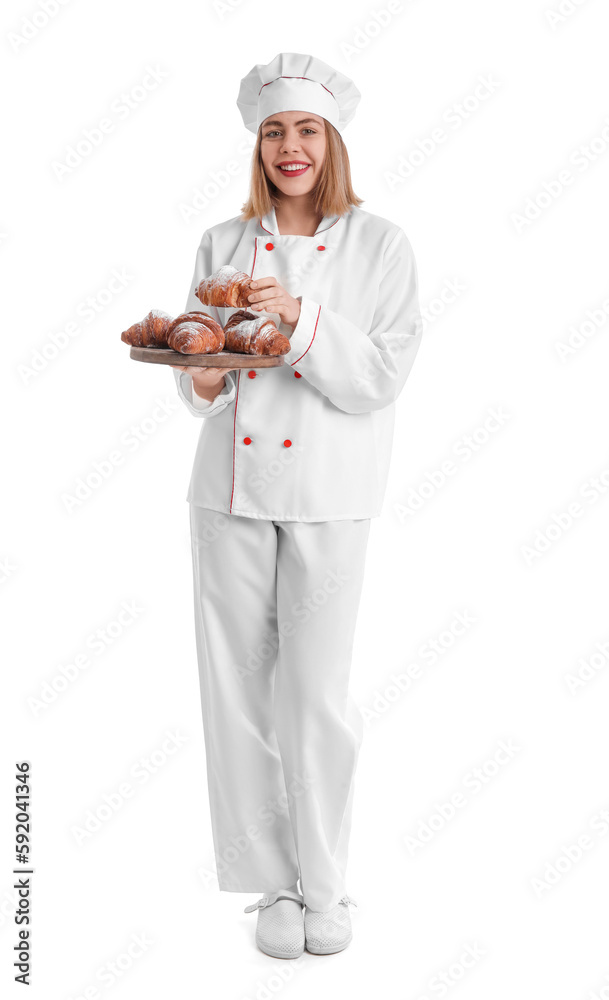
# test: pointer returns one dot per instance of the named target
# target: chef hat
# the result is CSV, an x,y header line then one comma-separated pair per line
x,y
293,81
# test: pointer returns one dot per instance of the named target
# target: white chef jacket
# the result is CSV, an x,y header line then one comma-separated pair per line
x,y
310,440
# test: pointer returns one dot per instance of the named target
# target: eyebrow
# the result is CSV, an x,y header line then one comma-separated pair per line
x,y
301,122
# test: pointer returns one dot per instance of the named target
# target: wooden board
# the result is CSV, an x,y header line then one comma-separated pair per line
x,y
223,359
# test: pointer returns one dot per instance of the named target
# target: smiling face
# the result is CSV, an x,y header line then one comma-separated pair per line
x,y
296,141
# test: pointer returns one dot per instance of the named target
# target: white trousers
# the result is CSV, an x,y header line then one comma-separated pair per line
x,y
276,605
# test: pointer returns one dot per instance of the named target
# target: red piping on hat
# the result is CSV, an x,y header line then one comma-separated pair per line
x,y
284,77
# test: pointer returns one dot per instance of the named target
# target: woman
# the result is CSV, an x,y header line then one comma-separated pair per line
x,y
290,467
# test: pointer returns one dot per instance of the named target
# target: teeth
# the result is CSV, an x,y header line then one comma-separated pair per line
x,y
302,166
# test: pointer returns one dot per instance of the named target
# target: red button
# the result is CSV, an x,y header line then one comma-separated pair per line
x,y
247,440
287,442
268,246
297,375
251,374
321,248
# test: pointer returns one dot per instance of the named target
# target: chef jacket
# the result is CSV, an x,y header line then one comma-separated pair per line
x,y
310,440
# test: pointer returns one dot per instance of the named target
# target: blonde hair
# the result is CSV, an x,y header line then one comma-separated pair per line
x,y
332,194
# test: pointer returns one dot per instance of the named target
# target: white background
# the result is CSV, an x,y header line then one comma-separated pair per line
x,y
484,541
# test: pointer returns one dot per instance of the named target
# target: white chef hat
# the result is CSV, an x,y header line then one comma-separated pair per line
x,y
293,81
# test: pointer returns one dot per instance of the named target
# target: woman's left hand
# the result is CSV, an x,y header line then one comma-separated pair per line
x,y
268,295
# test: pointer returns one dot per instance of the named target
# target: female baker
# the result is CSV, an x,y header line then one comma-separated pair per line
x,y
290,466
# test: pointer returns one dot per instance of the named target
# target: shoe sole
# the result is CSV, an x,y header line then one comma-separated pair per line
x,y
279,954
328,951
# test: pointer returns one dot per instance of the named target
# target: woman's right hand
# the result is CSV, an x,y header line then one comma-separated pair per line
x,y
207,381
196,370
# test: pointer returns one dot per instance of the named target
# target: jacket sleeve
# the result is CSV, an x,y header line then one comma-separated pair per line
x,y
197,406
362,370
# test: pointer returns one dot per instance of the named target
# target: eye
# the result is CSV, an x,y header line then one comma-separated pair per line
x,y
276,131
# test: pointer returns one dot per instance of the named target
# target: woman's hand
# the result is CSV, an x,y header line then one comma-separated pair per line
x,y
269,296
207,382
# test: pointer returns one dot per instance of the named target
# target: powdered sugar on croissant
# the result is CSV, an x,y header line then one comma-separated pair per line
x,y
195,333
247,333
150,332
225,288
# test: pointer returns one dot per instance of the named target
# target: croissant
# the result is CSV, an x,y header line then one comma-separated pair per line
x,y
195,333
151,332
197,316
225,288
246,333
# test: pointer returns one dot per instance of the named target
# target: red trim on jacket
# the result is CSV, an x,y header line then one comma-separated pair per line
x,y
311,341
255,252
230,506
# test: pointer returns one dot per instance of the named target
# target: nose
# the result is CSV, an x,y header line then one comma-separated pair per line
x,y
290,141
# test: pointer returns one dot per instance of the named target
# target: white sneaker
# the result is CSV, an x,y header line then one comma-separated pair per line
x,y
328,932
280,929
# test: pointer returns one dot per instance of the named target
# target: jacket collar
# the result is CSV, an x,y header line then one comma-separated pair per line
x,y
268,223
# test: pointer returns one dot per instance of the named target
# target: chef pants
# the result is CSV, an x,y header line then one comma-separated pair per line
x,y
275,606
